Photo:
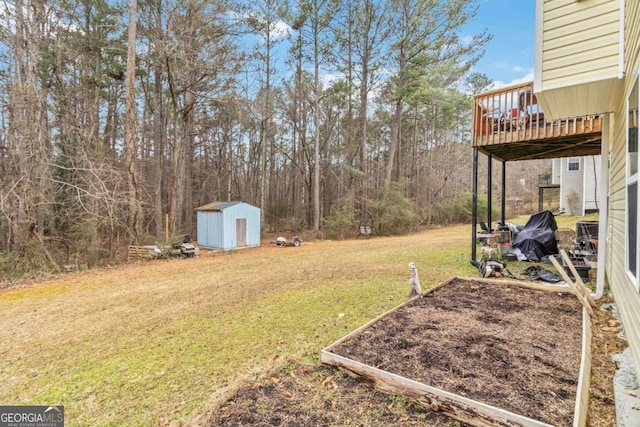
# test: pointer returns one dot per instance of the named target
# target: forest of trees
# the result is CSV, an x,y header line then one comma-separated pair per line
x,y
118,119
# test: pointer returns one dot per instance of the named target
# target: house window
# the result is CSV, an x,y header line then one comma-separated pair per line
x,y
632,242
573,164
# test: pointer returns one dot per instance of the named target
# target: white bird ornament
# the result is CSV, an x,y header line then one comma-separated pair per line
x,y
415,282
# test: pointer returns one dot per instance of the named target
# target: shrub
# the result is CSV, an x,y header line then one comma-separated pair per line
x,y
573,202
393,213
459,210
341,223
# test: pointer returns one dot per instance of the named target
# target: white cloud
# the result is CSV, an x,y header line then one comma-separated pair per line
x,y
280,29
330,79
525,78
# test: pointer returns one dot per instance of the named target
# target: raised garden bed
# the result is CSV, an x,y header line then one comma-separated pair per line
x,y
485,352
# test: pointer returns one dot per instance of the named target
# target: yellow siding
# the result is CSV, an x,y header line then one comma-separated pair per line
x,y
586,71
580,42
583,45
632,36
626,296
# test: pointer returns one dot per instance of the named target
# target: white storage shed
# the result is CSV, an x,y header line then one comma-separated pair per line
x,y
228,225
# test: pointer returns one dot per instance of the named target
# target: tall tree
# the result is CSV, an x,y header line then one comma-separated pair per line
x,y
369,37
198,58
318,16
266,22
28,133
425,36
179,123
131,125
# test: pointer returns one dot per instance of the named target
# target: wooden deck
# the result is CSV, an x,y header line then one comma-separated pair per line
x,y
508,124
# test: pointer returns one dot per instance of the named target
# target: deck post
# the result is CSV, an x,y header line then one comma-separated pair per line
x,y
474,206
489,177
540,198
504,192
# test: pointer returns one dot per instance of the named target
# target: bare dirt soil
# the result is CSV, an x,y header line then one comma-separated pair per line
x,y
514,348
308,395
520,360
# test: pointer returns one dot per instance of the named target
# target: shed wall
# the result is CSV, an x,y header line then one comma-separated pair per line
x,y
217,228
231,214
209,229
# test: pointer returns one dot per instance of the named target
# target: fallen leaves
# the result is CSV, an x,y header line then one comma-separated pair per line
x,y
330,384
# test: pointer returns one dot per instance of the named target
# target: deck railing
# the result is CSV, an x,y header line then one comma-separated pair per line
x,y
512,114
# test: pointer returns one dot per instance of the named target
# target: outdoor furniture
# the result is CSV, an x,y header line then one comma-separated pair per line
x,y
483,237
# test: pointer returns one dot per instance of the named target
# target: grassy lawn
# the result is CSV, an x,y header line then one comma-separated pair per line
x,y
159,342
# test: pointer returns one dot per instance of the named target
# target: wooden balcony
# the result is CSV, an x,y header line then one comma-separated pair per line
x,y
508,124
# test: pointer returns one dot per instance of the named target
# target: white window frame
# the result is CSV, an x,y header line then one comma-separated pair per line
x,y
573,161
632,179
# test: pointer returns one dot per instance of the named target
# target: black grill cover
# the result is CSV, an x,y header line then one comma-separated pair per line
x,y
537,238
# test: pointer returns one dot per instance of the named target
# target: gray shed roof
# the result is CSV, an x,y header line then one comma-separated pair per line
x,y
220,206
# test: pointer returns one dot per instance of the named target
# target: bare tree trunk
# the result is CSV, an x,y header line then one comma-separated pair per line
x,y
27,133
158,125
91,74
266,128
186,154
297,177
130,131
395,143
110,126
316,120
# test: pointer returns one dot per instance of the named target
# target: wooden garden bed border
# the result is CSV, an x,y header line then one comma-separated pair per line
x,y
458,407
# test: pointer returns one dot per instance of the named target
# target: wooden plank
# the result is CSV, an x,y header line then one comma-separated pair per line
x,y
139,252
582,288
519,283
582,393
455,406
572,285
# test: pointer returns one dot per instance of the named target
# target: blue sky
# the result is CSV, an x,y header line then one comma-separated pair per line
x,y
509,56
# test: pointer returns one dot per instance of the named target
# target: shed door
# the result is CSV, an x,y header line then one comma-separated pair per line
x,y
241,232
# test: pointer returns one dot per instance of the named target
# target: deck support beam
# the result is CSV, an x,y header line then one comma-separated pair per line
x,y
474,207
489,195
503,207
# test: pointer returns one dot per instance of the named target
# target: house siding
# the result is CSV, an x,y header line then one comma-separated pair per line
x,y
626,296
571,188
580,42
591,199
556,168
584,182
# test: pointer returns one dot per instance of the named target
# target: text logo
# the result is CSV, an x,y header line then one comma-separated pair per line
x,y
31,416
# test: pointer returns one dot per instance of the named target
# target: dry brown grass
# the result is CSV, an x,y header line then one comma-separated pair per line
x,y
156,342
161,342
